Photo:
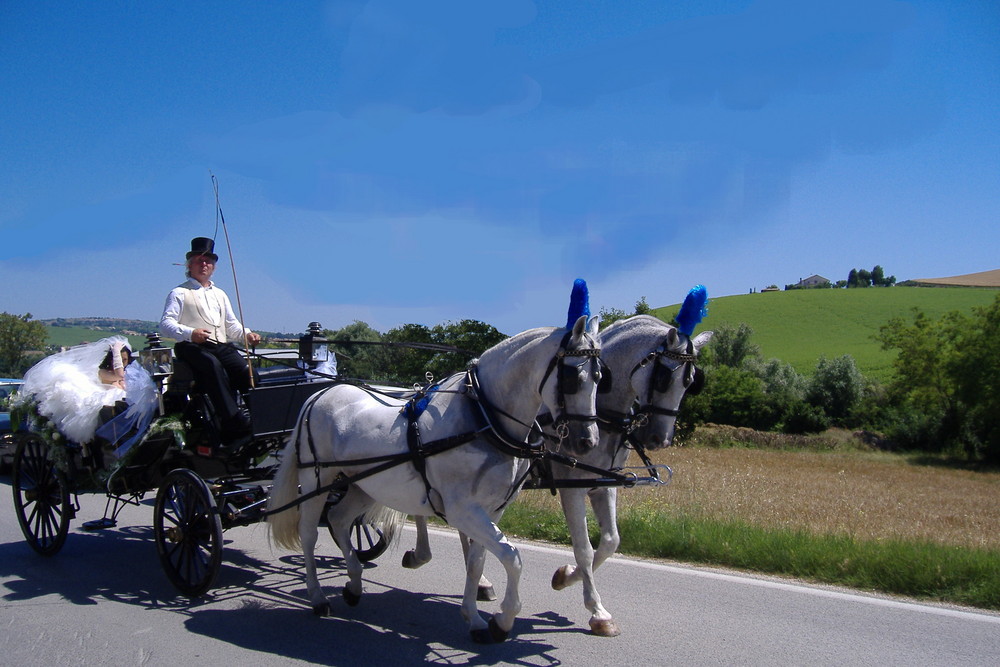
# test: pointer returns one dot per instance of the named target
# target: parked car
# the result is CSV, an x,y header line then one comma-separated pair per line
x,y
7,387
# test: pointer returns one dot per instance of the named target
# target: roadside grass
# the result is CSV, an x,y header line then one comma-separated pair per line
x,y
799,326
840,514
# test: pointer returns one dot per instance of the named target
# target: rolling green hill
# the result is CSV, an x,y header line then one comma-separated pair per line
x,y
799,326
68,336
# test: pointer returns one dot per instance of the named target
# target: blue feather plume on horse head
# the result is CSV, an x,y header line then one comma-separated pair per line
x,y
694,308
579,302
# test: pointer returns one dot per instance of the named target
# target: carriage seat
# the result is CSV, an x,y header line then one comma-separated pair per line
x,y
279,375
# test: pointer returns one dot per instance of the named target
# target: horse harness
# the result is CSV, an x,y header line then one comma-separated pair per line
x,y
626,423
567,383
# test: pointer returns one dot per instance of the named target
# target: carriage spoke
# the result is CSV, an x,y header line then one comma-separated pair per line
x,y
188,532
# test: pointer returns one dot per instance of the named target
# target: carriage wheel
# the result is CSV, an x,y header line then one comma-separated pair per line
x,y
367,539
41,496
188,532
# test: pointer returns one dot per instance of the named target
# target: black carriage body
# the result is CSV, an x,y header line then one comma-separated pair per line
x,y
185,436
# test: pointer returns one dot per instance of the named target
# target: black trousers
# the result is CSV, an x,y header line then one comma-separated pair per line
x,y
220,371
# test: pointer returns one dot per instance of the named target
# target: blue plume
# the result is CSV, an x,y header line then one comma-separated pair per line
x,y
579,302
694,308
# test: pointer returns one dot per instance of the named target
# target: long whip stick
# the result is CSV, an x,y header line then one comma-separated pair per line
x,y
232,262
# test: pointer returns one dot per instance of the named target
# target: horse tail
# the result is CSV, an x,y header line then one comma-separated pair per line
x,y
283,526
389,520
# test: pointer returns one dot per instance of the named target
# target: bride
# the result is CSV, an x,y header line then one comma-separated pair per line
x,y
72,387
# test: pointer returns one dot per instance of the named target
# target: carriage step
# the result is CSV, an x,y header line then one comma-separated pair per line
x,y
100,524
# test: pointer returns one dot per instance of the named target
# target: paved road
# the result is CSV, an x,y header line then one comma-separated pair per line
x,y
104,600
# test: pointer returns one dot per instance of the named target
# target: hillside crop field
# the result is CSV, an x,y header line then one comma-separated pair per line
x,y
800,326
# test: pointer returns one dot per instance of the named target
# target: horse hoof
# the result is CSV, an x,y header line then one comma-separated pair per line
x,y
486,594
481,636
352,599
410,560
605,628
496,632
322,609
559,578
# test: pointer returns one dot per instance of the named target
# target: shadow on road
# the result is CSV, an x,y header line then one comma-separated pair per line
x,y
261,605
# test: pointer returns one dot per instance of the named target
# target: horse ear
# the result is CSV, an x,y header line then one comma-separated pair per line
x,y
580,326
702,338
672,337
594,326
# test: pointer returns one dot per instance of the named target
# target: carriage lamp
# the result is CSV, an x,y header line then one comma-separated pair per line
x,y
155,358
313,347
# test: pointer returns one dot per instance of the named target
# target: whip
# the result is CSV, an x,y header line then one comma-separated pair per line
x,y
232,262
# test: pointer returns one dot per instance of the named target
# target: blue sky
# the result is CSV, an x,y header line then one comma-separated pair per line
x,y
414,162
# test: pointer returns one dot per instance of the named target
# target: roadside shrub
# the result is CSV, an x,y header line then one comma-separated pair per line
x,y
735,397
802,418
911,429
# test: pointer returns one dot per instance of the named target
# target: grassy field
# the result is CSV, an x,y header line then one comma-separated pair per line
x,y
69,336
799,326
838,515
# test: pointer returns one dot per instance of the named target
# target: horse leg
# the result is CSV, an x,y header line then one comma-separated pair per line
x,y
421,553
574,506
341,517
484,534
309,515
575,509
475,558
485,591
605,504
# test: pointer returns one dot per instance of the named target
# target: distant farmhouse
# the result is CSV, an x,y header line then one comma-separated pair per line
x,y
813,281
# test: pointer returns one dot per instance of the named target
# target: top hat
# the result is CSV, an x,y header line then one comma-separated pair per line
x,y
203,247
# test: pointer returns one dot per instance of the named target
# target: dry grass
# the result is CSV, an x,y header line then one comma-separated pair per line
x,y
866,495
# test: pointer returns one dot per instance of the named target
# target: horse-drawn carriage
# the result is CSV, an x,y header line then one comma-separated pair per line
x,y
460,449
203,485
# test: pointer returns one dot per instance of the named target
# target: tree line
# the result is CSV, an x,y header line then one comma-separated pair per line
x,y
864,278
944,395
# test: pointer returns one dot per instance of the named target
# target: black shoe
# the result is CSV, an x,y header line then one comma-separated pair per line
x,y
238,424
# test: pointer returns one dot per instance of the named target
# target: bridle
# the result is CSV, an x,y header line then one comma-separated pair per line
x,y
662,376
568,383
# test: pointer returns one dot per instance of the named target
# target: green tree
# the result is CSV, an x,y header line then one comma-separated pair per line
x,y
732,346
409,365
357,360
947,380
732,396
974,368
19,335
878,276
471,336
611,315
837,387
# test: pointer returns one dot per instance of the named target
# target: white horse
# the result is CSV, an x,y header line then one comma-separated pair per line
x,y
464,457
649,366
